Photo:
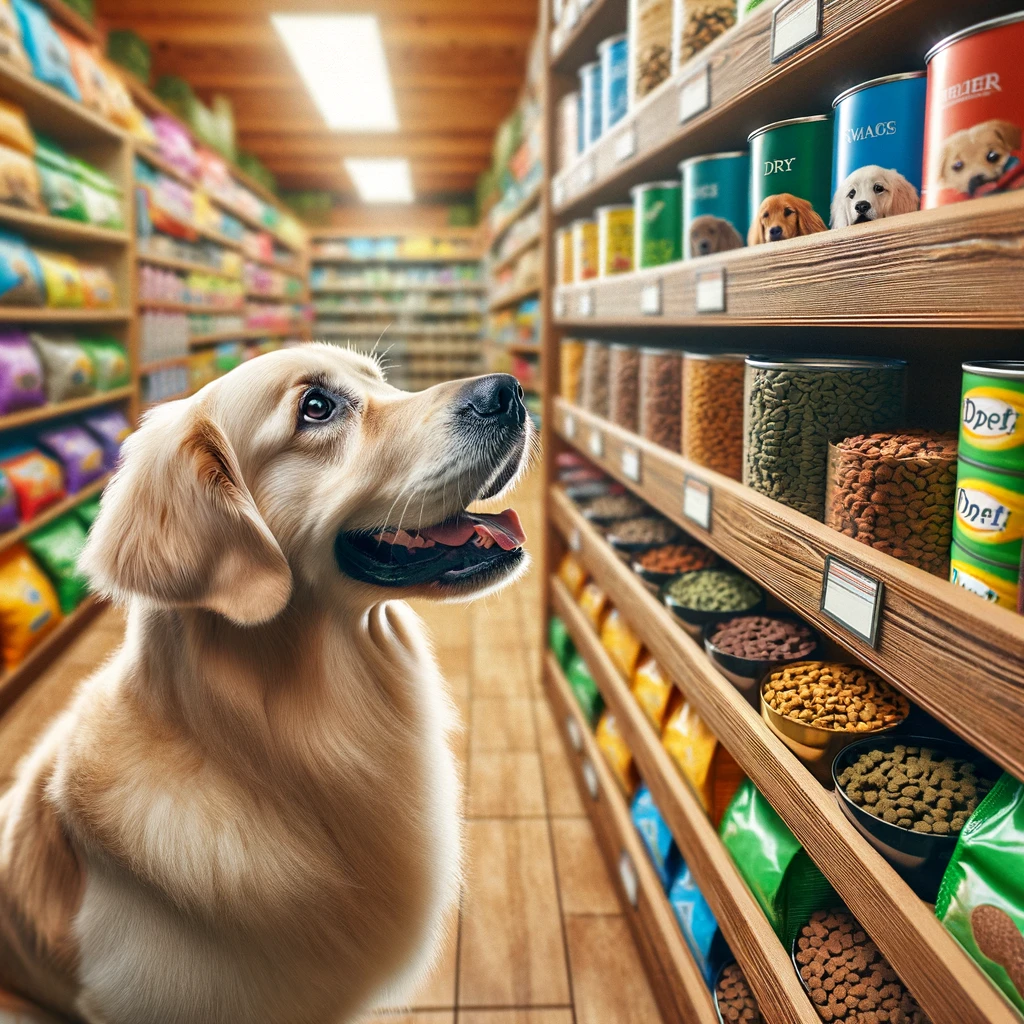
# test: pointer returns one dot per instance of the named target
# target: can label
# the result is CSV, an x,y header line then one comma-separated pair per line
x,y
584,244
989,517
993,418
658,224
996,584
615,241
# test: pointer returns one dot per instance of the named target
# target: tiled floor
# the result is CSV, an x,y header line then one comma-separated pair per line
x,y
539,938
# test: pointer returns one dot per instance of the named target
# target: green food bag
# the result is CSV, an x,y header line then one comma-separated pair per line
x,y
981,899
109,362
584,688
559,641
87,511
101,196
62,191
56,548
783,878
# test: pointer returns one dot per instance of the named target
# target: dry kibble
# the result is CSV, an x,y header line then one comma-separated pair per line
x,y
764,638
661,397
594,385
650,44
674,558
643,530
614,506
570,355
713,411
698,22
715,590
735,1001
624,385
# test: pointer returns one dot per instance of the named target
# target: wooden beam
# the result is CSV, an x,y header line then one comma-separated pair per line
x,y
329,145
526,10
227,78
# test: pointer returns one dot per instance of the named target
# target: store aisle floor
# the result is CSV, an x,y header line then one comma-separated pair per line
x,y
540,938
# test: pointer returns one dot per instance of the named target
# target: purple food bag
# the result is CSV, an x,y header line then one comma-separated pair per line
x,y
21,373
8,504
110,428
78,452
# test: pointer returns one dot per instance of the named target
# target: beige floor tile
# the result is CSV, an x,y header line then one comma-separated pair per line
x,y
548,738
498,723
550,1016
560,787
608,979
512,950
505,785
582,875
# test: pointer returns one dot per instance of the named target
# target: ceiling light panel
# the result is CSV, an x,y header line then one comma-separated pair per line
x,y
381,181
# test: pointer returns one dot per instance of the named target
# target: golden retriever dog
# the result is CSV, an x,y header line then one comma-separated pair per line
x,y
973,160
713,234
784,216
870,193
251,812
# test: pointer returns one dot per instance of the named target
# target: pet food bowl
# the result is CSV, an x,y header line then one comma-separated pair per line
x,y
920,858
586,490
714,990
693,620
746,673
629,549
653,581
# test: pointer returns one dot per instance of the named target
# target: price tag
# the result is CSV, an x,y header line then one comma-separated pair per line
x,y
575,540
650,299
794,24
588,172
627,875
631,464
596,444
695,94
625,144
569,426
851,599
591,780
697,501
559,305
572,15
711,291
585,304
557,192
584,4
573,731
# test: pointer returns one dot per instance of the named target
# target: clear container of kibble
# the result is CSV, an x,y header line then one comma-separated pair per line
x,y
570,358
792,409
713,410
661,396
623,385
594,384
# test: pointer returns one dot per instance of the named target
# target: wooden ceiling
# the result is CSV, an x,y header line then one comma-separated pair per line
x,y
457,67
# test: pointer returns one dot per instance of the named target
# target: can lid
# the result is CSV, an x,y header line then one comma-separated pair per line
x,y
884,80
611,41
614,208
713,156
982,26
819,363
638,189
731,357
1012,369
791,120
582,220
586,69
975,464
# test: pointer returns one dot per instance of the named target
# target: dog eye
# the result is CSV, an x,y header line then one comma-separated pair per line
x,y
958,165
787,212
851,193
317,407
879,189
991,156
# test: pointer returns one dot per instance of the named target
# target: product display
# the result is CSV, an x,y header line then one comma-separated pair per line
x,y
610,508
763,638
698,925
585,250
621,643
56,548
661,397
615,233
672,559
617,754
650,45
657,224
716,202
652,691
713,411
21,373
733,999
624,385
591,113
37,480
642,532
661,847
697,23
595,392
614,60
29,608
714,590
571,354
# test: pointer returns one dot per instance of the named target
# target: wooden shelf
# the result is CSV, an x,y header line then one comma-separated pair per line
x,y
584,25
156,365
186,266
155,159
948,985
188,307
246,334
956,266
520,350
414,261
514,297
54,410
48,315
513,256
935,642
71,19
58,229
469,286
291,269
52,512
524,205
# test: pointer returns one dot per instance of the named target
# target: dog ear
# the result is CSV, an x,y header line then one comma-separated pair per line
x,y
840,208
1009,132
807,220
755,236
177,525
904,196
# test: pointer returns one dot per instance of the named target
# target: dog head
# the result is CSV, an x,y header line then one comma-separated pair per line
x,y
304,468
784,216
978,155
713,234
870,193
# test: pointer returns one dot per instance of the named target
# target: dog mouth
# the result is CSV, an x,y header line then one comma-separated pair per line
x,y
863,218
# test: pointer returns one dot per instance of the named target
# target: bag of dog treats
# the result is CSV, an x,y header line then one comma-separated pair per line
x,y
56,548
594,602
783,878
8,504
69,371
62,191
573,575
21,373
584,689
656,836
28,605
617,754
78,452
14,129
38,481
19,181
62,275
110,428
10,38
698,925
101,195
88,511
21,279
652,690
621,643
981,899
86,69
559,641
97,286
51,62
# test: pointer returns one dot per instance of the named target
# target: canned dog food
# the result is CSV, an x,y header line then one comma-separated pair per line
x,y
614,240
790,178
995,583
590,102
650,34
613,54
657,222
564,269
879,142
568,129
975,113
989,512
992,414
716,196
584,250
697,23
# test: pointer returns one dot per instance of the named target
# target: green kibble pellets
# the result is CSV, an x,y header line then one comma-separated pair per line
x,y
715,590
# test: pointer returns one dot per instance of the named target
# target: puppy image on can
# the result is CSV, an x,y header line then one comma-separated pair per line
x,y
784,216
713,234
870,193
983,159
716,202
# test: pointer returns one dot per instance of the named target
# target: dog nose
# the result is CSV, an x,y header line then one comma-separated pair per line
x,y
774,233
498,397
862,207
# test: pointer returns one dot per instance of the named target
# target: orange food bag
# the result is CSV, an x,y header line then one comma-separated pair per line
x,y
29,608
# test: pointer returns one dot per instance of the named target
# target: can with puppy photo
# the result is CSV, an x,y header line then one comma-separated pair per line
x,y
716,199
975,113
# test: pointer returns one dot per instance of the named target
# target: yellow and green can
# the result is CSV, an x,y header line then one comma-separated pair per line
x,y
991,581
989,512
614,240
563,256
584,250
992,414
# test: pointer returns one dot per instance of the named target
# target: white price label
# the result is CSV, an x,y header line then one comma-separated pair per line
x,y
591,780
572,15
596,444
575,540
627,875
695,94
585,304
794,24
697,501
711,291
557,192
851,599
588,172
569,426
631,464
559,305
584,4
573,731
625,144
650,299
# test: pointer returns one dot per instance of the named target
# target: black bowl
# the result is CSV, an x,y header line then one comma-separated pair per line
x,y
654,581
694,620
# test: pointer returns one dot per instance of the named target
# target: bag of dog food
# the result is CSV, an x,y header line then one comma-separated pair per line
x,y
110,428
28,605
10,38
573,575
19,181
981,899
584,689
109,361
69,370
14,129
78,452
88,511
56,548
62,275
559,641
62,191
51,62
87,72
656,836
102,197
8,504
97,286
617,754
21,279
652,690
594,602
21,373
621,643
38,480
698,925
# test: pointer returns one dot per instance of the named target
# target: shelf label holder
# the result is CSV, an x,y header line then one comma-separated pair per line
x,y
650,299
695,94
625,144
631,464
572,729
627,875
710,294
590,779
559,305
697,501
851,599
588,171
557,192
795,23
596,443
575,540
569,426
585,303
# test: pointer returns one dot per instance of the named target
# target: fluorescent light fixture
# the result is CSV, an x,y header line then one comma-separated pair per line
x,y
381,180
341,59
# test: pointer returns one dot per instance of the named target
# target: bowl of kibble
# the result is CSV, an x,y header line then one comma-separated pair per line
x,y
710,595
631,537
734,1002
744,647
610,508
819,707
910,797
659,564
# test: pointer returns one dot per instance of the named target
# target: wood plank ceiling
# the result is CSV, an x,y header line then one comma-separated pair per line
x,y
456,67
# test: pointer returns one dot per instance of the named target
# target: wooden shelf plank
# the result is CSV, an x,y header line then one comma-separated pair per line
x,y
186,266
677,982
49,315
574,41
520,350
524,246
59,229
189,307
469,286
71,19
157,160
523,206
514,297
156,365
55,511
245,334
942,977
935,643
348,261
54,410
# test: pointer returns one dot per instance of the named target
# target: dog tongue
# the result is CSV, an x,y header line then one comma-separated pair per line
x,y
504,529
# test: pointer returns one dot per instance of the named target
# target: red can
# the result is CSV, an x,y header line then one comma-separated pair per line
x,y
975,116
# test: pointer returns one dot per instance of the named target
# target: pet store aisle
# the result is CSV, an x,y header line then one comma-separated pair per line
x,y
540,938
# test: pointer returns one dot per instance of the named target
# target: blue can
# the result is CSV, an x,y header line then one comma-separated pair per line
x,y
614,56
716,203
590,102
878,148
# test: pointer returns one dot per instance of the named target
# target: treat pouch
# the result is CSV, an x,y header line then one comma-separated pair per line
x,y
573,575
62,274
10,38
110,428
617,754
51,62
14,128
594,602
21,373
28,604
652,690
559,641
79,454
56,548
19,180
585,690
21,279
87,511
69,370
621,643
38,481
656,836
62,191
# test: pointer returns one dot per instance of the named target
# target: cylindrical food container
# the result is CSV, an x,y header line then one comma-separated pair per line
x,y
790,158
793,407
661,396
991,581
624,385
895,493
716,198
584,250
614,56
696,23
879,140
568,129
989,512
565,270
713,411
975,114
992,414
570,356
590,105
657,223
594,388
614,240
650,37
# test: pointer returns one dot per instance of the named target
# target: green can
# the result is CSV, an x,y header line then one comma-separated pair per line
x,y
657,223
992,414
794,158
989,512
995,583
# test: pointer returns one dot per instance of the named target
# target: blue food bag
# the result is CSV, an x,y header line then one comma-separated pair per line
x,y
698,925
657,838
51,62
